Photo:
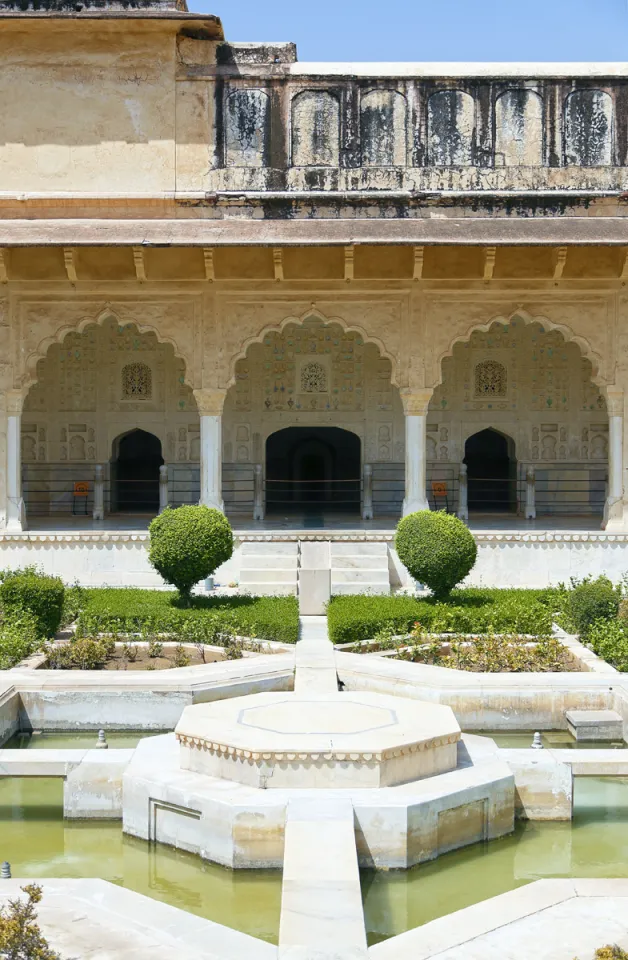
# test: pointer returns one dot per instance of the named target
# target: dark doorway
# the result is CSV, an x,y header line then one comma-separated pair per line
x,y
313,469
491,472
135,473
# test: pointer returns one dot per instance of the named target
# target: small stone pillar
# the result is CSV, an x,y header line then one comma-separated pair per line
x,y
463,493
614,506
16,516
367,492
5,870
98,512
163,487
415,404
530,509
258,492
210,404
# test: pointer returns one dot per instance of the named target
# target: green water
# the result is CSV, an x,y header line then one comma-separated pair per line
x,y
38,842
595,844
558,739
81,740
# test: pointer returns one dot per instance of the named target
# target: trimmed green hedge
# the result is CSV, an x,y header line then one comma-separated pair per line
x,y
29,589
353,618
134,611
436,549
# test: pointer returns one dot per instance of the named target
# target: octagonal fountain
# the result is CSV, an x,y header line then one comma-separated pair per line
x,y
275,740
224,783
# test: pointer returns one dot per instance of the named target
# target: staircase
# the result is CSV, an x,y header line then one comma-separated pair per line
x,y
359,567
269,569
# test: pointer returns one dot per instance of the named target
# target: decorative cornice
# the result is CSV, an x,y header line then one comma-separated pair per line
x,y
290,536
301,757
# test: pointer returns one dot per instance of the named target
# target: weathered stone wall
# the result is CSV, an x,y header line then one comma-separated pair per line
x,y
130,109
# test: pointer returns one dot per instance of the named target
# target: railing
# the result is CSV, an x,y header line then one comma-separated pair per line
x,y
307,493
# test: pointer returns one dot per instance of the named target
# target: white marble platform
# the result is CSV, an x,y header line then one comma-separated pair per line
x,y
545,920
92,919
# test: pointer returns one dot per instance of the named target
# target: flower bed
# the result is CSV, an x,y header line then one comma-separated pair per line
x,y
486,653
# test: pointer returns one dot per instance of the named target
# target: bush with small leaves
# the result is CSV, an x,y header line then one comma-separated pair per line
x,y
20,935
592,600
30,589
19,637
436,548
84,653
187,544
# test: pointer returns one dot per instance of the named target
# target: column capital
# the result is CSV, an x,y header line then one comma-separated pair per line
x,y
415,402
210,401
14,401
614,400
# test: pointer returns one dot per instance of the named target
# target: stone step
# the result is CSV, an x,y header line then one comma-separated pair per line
x,y
359,563
268,575
357,548
279,562
269,589
360,576
338,588
286,548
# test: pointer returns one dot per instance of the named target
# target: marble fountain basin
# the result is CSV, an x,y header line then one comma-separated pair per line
x,y
343,740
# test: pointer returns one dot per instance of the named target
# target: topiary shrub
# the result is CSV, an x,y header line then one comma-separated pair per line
x,y
187,544
30,589
436,548
590,601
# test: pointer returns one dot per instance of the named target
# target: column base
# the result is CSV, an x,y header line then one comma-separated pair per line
x,y
412,506
615,519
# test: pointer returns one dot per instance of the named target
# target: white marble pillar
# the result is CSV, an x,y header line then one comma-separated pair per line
x,y
367,492
614,518
98,512
16,518
258,492
415,404
463,494
210,404
163,487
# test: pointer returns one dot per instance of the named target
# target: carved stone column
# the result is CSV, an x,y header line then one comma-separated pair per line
x,y
415,404
210,404
615,507
16,516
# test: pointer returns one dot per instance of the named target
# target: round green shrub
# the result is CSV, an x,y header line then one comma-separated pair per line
x,y
592,600
19,637
436,548
30,589
187,544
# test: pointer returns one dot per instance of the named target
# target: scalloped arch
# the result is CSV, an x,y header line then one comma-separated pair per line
x,y
311,314
567,333
108,312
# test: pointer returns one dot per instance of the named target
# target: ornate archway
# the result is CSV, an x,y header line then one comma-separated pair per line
x,y
521,380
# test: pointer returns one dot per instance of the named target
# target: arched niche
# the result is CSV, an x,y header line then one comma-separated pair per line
x,y
135,462
315,129
383,128
519,129
451,128
247,128
589,128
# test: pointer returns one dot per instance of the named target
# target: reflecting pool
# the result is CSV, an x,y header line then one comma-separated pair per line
x,y
594,844
38,842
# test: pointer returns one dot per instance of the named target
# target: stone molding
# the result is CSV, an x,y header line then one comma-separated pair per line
x,y
415,402
308,757
384,536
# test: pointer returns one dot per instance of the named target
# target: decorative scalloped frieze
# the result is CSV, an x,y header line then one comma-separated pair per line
x,y
311,756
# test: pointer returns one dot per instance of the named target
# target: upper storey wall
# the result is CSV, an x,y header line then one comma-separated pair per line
x,y
87,109
144,109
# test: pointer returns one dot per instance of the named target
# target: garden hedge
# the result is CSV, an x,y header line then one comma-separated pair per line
x,y
436,548
29,589
188,544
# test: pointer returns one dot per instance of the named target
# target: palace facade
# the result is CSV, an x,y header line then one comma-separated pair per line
x,y
297,289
